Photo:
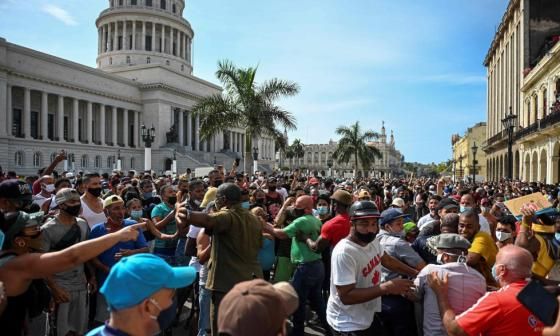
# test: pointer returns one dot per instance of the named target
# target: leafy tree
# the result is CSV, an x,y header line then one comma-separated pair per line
x,y
353,146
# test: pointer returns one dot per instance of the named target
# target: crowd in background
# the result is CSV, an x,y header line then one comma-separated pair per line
x,y
270,254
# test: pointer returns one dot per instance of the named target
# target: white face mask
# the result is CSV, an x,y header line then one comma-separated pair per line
x,y
503,236
49,188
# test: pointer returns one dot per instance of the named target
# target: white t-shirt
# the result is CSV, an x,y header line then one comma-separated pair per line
x,y
354,264
484,225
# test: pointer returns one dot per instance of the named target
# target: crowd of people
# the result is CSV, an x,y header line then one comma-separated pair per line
x,y
270,254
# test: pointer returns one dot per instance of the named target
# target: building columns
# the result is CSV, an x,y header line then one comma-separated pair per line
x,y
27,113
44,115
134,35
181,127
109,41
102,124
60,118
171,38
9,110
115,36
114,126
136,129
197,133
75,120
154,36
125,37
126,127
88,129
143,42
189,130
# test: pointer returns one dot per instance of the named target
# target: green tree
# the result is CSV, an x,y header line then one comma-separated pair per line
x,y
297,150
353,145
248,105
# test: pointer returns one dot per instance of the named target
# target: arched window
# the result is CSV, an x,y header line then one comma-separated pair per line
x,y
110,162
19,159
97,164
132,163
36,159
84,162
53,156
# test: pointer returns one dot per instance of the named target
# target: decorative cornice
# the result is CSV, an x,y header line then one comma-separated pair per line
x,y
509,13
162,86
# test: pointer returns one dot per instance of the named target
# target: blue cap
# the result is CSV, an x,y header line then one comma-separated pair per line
x,y
390,215
134,279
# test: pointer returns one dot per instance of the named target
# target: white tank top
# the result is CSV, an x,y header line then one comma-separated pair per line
x,y
91,217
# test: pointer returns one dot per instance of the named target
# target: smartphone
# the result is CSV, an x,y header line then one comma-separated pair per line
x,y
539,302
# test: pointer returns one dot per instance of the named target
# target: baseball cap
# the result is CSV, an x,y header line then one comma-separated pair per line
x,y
409,227
399,202
390,215
112,200
447,203
364,193
363,209
134,279
14,189
21,220
342,196
66,194
451,241
256,307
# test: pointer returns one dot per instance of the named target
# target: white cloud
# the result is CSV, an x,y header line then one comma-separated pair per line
x,y
60,14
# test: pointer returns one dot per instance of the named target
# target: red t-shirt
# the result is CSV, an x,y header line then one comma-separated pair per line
x,y
499,313
336,228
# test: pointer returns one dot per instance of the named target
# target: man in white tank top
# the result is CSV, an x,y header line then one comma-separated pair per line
x,y
92,205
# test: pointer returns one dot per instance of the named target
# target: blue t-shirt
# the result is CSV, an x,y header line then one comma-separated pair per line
x,y
266,254
107,257
106,330
161,211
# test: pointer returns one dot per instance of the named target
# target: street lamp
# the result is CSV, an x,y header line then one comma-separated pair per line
x,y
148,136
119,162
330,164
474,149
174,167
461,157
255,158
509,125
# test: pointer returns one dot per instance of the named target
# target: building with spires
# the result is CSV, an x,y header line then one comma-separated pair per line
x,y
143,77
318,156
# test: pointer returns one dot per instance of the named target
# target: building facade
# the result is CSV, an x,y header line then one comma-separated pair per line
x,y
143,77
463,154
522,74
318,156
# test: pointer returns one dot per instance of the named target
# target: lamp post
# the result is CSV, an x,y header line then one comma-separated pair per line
x,y
174,167
474,149
119,162
461,157
509,125
330,164
255,158
148,136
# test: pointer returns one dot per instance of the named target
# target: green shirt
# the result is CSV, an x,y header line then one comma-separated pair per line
x,y
161,211
236,241
309,225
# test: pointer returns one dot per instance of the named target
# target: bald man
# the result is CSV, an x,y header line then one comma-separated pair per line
x,y
309,274
47,188
496,313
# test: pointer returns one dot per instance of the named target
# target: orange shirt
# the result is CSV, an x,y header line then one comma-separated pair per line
x,y
500,314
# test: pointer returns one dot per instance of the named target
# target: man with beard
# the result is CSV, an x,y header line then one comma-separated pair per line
x,y
273,196
356,287
92,205
433,215
69,288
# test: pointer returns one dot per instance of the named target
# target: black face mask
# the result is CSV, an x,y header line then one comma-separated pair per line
x,y
217,183
95,191
259,201
172,200
73,210
365,237
299,212
272,188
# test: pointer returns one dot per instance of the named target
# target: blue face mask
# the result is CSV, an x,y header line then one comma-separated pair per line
x,y
148,195
322,210
2,236
136,214
556,235
463,208
245,205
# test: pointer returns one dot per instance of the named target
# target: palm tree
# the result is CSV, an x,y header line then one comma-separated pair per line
x,y
247,105
297,149
353,145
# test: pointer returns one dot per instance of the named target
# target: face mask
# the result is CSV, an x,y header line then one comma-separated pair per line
x,y
482,209
496,277
166,316
463,208
172,200
49,188
323,210
557,236
503,236
272,188
245,205
217,183
136,214
95,191
73,210
365,237
148,195
197,202
2,236
299,212
439,259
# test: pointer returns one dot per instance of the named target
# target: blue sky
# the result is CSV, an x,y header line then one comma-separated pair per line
x,y
417,65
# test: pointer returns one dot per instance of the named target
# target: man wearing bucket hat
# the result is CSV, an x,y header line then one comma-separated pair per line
x,y
356,286
257,307
466,285
139,292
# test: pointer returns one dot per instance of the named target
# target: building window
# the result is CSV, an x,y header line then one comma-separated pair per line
x,y
36,159
149,3
50,123
120,2
53,156
132,163
18,159
545,108
167,62
133,2
34,124
149,43
84,162
110,162
127,59
182,67
163,4
174,8
97,163
148,60
17,125
110,60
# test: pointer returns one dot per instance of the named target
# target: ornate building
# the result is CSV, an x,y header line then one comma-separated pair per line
x,y
522,74
463,154
143,77
319,156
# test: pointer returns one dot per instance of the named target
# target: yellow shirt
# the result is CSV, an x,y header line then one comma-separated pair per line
x,y
209,196
544,262
484,245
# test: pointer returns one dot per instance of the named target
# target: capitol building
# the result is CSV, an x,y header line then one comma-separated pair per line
x,y
143,77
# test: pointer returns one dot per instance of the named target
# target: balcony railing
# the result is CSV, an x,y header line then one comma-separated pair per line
x,y
543,123
495,138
